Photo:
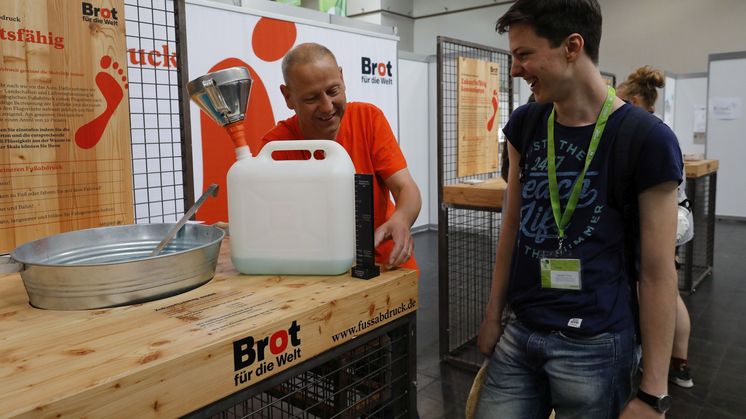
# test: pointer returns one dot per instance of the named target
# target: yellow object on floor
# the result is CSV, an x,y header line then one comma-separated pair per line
x,y
476,389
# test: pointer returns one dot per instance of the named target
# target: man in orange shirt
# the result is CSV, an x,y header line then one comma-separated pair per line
x,y
315,90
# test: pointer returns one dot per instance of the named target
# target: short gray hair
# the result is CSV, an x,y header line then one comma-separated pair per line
x,y
302,54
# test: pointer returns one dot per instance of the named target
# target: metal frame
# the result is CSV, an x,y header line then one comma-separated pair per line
x,y
156,124
184,117
279,395
609,76
467,236
698,253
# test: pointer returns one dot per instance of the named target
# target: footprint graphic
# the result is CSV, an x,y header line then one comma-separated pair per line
x,y
494,111
271,39
90,134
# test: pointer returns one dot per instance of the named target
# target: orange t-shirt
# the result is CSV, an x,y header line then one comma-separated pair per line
x,y
366,135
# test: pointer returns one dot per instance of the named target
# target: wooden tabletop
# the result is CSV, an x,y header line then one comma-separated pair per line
x,y
699,168
487,194
169,357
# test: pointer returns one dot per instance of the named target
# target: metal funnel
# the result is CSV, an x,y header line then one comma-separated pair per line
x,y
222,94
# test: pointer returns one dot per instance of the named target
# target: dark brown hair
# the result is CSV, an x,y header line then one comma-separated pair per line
x,y
555,20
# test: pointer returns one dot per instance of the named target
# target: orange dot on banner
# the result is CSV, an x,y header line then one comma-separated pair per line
x,y
272,38
105,61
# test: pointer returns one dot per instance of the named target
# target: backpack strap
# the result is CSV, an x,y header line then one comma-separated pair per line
x,y
531,120
633,130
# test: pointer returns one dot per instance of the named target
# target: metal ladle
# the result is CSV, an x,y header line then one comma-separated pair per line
x,y
211,190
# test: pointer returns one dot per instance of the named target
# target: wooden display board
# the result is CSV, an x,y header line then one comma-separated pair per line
x,y
169,357
65,159
478,116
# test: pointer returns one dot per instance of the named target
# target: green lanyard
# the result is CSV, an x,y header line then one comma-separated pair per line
x,y
572,202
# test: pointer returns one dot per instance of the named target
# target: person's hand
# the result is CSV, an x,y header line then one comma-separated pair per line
x,y
637,409
489,333
400,233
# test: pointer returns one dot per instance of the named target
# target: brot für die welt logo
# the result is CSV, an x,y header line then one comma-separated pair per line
x,y
101,15
376,72
260,356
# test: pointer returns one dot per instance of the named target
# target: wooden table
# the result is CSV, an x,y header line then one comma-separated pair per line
x,y
468,228
489,194
484,195
697,255
169,357
699,168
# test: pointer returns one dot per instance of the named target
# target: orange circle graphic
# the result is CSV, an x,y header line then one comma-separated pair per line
x,y
272,38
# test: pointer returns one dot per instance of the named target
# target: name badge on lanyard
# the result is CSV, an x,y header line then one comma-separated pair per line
x,y
559,272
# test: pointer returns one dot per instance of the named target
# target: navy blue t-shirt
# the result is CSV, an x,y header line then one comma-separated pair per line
x,y
595,234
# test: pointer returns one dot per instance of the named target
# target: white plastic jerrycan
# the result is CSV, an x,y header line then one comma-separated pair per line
x,y
293,217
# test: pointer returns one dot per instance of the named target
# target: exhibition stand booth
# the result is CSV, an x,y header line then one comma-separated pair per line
x,y
101,152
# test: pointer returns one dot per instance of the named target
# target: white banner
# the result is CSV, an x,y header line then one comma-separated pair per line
x,y
222,36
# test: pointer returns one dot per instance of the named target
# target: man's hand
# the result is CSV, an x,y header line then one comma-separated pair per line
x,y
399,232
408,203
489,333
637,409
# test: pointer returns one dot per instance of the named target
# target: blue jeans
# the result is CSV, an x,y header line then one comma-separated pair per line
x,y
530,373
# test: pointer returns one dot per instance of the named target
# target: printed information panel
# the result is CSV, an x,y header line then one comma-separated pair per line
x,y
65,160
478,117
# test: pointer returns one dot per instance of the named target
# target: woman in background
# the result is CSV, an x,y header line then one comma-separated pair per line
x,y
640,88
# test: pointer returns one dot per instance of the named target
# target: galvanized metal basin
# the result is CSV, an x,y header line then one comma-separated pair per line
x,y
111,266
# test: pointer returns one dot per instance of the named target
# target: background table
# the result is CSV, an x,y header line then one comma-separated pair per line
x,y
467,242
697,255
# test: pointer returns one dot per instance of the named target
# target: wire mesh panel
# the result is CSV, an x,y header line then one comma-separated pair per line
x,y
467,236
472,241
153,77
363,379
698,254
449,51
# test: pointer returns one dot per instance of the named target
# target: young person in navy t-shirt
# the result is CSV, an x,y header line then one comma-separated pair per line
x,y
569,342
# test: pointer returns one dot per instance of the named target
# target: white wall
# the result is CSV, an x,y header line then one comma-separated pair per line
x,y
357,7
691,91
388,13
672,35
404,29
476,26
414,133
726,140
